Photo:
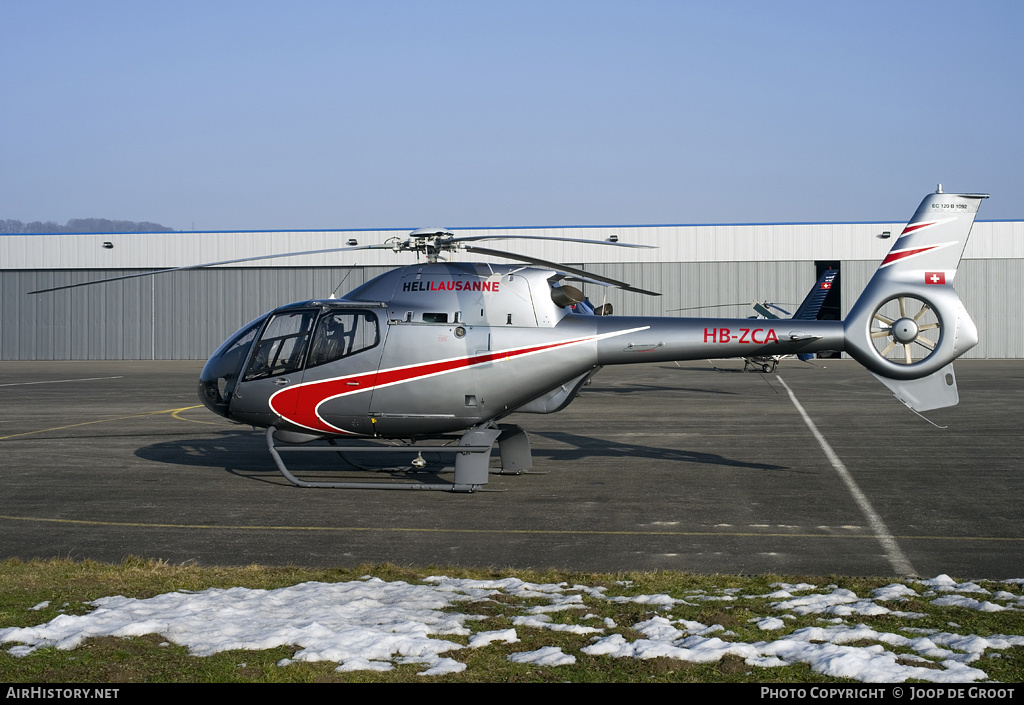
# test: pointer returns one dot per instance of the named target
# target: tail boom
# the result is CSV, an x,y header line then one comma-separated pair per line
x,y
666,339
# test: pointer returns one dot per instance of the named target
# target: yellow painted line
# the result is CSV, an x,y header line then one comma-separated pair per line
x,y
553,532
112,418
58,381
187,408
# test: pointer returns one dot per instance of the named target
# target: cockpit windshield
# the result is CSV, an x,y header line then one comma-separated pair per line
x,y
220,375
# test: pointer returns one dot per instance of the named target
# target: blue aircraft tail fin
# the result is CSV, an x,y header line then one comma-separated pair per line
x,y
811,306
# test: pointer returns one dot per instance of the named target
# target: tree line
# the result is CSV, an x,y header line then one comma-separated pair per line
x,y
82,225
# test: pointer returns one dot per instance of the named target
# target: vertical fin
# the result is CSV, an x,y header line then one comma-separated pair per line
x,y
929,249
892,322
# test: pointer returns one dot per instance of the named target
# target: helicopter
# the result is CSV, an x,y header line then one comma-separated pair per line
x,y
443,351
809,310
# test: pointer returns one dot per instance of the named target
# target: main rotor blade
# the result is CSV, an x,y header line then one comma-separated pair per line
x,y
477,238
695,308
559,268
559,277
778,308
211,264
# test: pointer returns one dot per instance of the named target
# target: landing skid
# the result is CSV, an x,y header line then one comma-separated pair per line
x,y
472,459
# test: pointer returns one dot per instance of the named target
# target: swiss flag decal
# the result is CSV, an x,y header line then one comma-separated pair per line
x,y
934,277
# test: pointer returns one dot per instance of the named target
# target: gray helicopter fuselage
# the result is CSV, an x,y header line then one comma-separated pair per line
x,y
444,347
441,347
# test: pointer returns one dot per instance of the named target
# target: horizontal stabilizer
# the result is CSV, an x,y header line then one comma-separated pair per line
x,y
936,391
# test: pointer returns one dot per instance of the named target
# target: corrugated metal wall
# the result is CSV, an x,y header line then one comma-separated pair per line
x,y
186,315
181,315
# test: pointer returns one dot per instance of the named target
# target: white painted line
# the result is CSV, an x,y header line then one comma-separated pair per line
x,y
899,562
58,381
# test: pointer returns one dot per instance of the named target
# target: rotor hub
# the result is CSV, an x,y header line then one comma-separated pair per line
x,y
905,330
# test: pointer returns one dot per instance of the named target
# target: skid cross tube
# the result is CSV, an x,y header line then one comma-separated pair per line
x,y
471,461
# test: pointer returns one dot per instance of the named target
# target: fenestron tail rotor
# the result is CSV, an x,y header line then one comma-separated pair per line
x,y
906,329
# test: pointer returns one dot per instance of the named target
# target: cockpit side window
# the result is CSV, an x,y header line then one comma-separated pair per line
x,y
343,333
282,346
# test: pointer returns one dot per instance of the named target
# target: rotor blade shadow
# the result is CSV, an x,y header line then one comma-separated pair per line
x,y
589,447
647,388
226,450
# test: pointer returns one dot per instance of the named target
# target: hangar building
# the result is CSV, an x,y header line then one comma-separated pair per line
x,y
700,270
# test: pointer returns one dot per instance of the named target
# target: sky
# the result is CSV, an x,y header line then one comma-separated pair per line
x,y
402,113
371,624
